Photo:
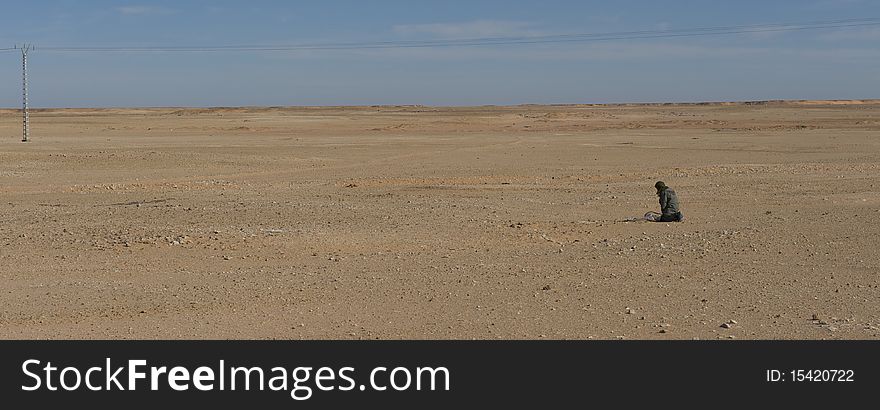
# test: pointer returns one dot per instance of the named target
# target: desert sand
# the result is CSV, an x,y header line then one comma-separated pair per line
x,y
413,222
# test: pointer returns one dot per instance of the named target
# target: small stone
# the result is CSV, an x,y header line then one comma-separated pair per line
x,y
816,316
662,331
725,325
546,287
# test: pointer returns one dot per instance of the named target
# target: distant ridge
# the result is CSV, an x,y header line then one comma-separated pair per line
x,y
207,110
721,103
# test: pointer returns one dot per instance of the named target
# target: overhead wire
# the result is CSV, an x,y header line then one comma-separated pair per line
x,y
493,41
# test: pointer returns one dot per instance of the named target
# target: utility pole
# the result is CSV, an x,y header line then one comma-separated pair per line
x,y
25,126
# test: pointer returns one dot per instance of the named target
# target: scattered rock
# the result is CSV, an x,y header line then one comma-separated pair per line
x,y
546,287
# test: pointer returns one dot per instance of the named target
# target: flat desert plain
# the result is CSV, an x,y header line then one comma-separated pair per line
x,y
442,223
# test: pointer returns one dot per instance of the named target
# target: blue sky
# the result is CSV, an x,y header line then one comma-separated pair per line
x,y
833,63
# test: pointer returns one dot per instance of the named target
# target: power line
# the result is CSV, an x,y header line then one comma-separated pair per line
x,y
456,43
489,41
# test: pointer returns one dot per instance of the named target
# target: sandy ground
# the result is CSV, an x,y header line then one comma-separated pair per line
x,y
421,222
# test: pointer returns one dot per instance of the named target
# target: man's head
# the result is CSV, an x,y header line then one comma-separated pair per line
x,y
660,185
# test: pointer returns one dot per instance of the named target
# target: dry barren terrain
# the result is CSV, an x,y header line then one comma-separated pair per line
x,y
423,222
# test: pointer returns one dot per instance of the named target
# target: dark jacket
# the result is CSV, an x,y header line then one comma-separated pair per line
x,y
668,202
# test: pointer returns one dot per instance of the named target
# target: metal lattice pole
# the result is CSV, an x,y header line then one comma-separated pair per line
x,y
26,129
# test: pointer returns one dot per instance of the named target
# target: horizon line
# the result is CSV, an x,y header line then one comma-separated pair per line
x,y
635,103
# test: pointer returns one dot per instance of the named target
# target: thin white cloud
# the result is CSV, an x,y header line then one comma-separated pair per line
x,y
861,34
832,4
470,29
631,52
574,52
141,10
